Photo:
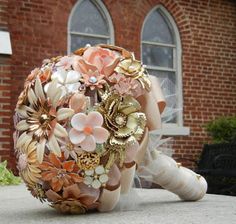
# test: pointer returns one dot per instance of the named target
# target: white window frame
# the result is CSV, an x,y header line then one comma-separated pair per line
x,y
102,9
171,128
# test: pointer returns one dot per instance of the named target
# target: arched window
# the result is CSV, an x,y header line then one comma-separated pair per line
x,y
161,52
89,23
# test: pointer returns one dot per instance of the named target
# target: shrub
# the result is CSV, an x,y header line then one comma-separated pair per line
x,y
222,130
6,176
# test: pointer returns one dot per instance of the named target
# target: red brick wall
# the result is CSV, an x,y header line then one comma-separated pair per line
x,y
3,14
5,110
209,69
5,94
208,33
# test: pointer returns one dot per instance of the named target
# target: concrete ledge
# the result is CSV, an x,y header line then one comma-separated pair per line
x,y
157,206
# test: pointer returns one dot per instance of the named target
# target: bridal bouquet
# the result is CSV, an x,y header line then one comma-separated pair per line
x,y
79,122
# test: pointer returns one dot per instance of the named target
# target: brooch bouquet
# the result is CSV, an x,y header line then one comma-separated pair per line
x,y
78,123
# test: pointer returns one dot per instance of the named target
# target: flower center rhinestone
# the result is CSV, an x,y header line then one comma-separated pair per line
x,y
120,120
43,118
93,79
61,173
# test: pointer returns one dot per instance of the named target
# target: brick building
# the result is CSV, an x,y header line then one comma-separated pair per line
x,y
190,43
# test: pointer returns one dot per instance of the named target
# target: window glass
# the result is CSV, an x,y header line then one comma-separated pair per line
x,y
90,23
81,41
156,29
159,54
87,18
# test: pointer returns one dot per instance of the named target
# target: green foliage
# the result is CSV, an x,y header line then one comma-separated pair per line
x,y
6,176
222,130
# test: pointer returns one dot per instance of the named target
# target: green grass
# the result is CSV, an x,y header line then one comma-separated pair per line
x,y
6,176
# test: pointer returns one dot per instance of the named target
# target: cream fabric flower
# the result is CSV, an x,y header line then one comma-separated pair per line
x,y
97,177
27,163
65,62
69,149
68,81
40,119
87,130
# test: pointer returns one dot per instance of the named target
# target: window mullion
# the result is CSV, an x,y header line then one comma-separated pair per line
x,y
174,59
151,67
158,44
89,35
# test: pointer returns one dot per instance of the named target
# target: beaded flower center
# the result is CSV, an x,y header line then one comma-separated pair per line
x,y
120,119
69,146
88,130
44,118
93,79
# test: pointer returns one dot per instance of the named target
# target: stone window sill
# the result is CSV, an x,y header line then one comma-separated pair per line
x,y
174,130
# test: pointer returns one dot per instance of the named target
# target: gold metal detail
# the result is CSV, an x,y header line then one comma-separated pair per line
x,y
88,161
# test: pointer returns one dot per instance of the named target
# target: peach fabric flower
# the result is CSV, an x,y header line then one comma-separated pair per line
x,y
116,78
59,173
104,60
65,62
76,198
87,130
126,86
78,102
93,79
91,76
96,65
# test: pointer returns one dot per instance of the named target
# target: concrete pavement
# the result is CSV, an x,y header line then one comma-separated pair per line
x,y
156,206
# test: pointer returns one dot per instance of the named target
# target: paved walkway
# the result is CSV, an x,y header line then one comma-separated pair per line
x,y
158,206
